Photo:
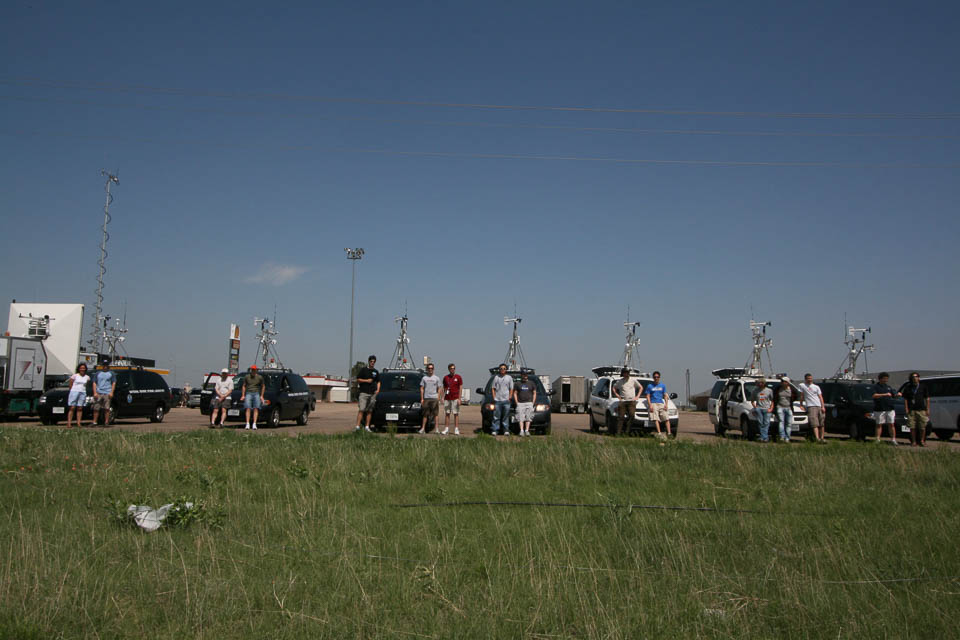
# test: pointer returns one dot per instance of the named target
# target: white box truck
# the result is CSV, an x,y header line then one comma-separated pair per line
x,y
570,395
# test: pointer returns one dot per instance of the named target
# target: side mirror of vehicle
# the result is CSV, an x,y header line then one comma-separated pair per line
x,y
480,391
673,396
552,392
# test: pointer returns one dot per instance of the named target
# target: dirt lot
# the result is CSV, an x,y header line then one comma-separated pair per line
x,y
340,418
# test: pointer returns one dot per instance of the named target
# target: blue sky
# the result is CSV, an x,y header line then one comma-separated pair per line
x,y
254,141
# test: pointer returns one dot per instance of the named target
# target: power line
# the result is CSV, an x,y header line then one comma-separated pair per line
x,y
491,125
35,82
508,156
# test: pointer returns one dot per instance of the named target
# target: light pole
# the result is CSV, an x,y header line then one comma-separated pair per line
x,y
353,255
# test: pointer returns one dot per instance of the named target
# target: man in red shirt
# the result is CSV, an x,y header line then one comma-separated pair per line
x,y
452,383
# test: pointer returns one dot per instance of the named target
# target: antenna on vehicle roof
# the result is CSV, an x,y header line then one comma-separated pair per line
x,y
632,344
761,344
266,340
514,352
856,347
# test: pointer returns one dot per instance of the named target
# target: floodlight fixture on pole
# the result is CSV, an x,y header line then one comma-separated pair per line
x,y
352,255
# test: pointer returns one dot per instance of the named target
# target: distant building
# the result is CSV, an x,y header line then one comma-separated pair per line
x,y
328,388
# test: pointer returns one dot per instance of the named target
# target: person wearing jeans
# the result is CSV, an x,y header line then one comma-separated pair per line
x,y
762,408
502,388
785,396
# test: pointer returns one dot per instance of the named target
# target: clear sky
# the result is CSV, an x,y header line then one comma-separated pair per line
x,y
797,159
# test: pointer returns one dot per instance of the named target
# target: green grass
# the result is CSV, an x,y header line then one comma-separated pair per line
x,y
303,538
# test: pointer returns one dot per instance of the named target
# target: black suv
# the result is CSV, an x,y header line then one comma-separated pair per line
x,y
285,397
139,394
541,411
398,403
849,408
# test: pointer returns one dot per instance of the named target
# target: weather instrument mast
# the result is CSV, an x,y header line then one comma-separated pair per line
x,y
267,342
631,346
761,344
98,326
514,359
402,357
856,346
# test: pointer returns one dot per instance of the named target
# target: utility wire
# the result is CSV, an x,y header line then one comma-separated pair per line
x,y
503,156
491,125
36,82
653,507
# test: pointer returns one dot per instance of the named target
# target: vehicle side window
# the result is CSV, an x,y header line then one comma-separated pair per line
x,y
737,393
717,389
602,389
950,387
298,384
285,384
728,392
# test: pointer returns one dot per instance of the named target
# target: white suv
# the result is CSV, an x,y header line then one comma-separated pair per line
x,y
731,407
603,405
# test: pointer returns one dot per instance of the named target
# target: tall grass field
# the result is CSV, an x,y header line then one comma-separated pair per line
x,y
308,537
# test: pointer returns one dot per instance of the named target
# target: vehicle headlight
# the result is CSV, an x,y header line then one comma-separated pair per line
x,y
542,407
42,400
89,400
672,412
415,405
489,407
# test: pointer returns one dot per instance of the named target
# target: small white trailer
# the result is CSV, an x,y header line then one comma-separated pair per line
x,y
570,394
23,366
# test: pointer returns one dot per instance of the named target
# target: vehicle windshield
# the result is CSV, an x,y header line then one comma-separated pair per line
x,y
750,387
862,392
406,381
541,392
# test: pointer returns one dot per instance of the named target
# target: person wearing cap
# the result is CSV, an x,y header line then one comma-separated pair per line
x,y
104,384
626,389
221,398
657,405
784,397
525,396
368,380
251,395
884,408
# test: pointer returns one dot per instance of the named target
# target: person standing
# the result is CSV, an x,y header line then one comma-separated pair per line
x,y
657,404
884,408
77,398
368,381
221,401
626,389
104,384
763,408
452,383
525,395
813,403
784,397
429,397
502,388
251,395
918,409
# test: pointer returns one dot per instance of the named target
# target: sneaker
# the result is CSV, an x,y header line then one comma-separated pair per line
x,y
421,432
456,432
894,443
357,428
253,426
368,429
445,431
247,427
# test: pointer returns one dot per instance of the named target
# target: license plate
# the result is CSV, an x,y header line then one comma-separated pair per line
x,y
794,428
513,418
905,429
58,409
393,416
233,412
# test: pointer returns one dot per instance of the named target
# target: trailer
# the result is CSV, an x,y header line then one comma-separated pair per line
x,y
23,367
570,394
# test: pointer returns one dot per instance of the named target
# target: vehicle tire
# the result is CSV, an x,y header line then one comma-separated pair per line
x,y
302,418
544,431
853,429
944,434
611,422
274,418
719,429
157,416
594,427
747,429
45,421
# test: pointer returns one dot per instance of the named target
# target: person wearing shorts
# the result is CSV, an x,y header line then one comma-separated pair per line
x,y
220,402
429,397
368,382
452,383
883,407
917,401
626,390
813,402
251,395
77,398
657,404
104,384
525,395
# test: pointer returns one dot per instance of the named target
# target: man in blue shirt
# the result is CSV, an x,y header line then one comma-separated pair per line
x,y
657,404
104,384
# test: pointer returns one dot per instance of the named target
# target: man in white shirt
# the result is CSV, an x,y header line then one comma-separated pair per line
x,y
502,389
626,390
813,403
429,396
220,402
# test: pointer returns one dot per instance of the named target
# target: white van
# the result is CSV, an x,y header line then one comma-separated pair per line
x,y
944,392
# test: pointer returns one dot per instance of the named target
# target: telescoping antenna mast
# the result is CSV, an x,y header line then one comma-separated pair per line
x,y
856,347
632,345
402,357
514,359
267,341
761,344
96,332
